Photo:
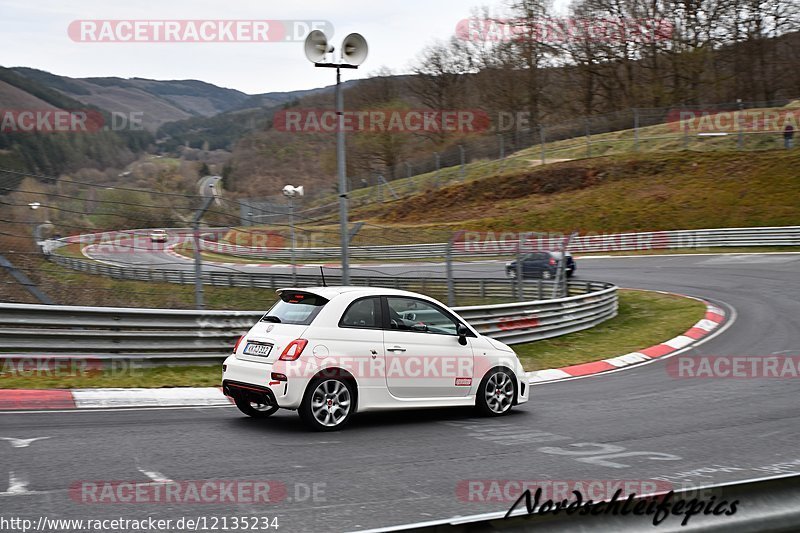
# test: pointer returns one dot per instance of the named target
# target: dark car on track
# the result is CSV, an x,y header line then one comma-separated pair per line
x,y
542,265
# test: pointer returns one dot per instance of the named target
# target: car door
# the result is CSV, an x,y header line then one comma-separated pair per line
x,y
356,343
423,356
533,264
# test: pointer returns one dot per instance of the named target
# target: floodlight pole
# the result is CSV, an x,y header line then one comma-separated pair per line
x,y
198,259
341,167
291,223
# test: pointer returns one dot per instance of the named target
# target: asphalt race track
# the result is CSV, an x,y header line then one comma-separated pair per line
x,y
388,469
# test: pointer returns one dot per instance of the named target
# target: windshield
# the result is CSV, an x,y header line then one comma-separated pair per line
x,y
296,308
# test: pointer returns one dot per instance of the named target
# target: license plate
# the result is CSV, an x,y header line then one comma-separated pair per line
x,y
254,348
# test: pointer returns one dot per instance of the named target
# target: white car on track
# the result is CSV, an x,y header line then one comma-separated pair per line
x,y
159,235
329,352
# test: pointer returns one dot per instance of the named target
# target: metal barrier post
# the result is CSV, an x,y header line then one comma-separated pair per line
x,y
448,255
520,271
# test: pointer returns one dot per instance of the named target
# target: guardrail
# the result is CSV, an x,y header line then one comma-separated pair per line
x,y
437,287
516,323
183,337
618,242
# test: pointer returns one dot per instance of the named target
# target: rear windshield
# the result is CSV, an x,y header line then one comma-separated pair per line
x,y
295,308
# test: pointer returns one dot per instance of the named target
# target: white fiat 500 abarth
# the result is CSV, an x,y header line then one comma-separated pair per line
x,y
329,352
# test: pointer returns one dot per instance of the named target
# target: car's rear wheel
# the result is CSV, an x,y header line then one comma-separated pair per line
x,y
328,404
254,409
496,393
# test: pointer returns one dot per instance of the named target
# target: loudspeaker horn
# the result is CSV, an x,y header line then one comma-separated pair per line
x,y
317,47
354,49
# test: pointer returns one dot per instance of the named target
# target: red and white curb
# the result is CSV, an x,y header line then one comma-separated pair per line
x,y
16,399
713,319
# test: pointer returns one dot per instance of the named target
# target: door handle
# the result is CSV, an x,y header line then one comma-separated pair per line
x,y
396,349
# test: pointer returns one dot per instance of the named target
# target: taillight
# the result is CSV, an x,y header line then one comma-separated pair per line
x,y
293,350
236,346
552,261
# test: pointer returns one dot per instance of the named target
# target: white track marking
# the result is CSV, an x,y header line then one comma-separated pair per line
x,y
546,375
746,259
681,341
709,254
16,485
98,398
627,359
22,443
158,477
111,409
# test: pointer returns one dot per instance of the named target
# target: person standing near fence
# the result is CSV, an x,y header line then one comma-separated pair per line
x,y
788,136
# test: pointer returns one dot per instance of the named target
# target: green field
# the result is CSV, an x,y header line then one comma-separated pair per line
x,y
644,192
645,319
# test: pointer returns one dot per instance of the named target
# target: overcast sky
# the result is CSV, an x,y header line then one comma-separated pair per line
x,y
33,33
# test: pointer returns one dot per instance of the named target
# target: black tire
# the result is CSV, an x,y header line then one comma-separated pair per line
x,y
256,410
329,404
504,400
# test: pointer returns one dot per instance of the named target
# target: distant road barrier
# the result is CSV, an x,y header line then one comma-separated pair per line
x,y
168,336
484,245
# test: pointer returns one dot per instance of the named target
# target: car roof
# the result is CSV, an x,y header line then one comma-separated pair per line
x,y
331,292
551,252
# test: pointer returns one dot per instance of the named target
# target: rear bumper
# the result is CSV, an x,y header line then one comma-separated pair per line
x,y
248,392
247,378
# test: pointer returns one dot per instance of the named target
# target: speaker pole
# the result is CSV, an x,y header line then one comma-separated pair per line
x,y
353,53
341,169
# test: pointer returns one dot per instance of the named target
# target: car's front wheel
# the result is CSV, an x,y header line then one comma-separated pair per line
x,y
256,410
496,393
328,404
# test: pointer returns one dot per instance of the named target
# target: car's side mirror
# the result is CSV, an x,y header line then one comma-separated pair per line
x,y
462,332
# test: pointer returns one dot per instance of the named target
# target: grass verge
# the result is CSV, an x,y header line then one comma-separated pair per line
x,y
645,318
151,378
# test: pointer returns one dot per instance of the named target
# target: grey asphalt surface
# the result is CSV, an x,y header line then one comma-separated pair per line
x,y
395,468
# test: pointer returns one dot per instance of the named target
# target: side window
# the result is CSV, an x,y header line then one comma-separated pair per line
x,y
363,313
409,314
